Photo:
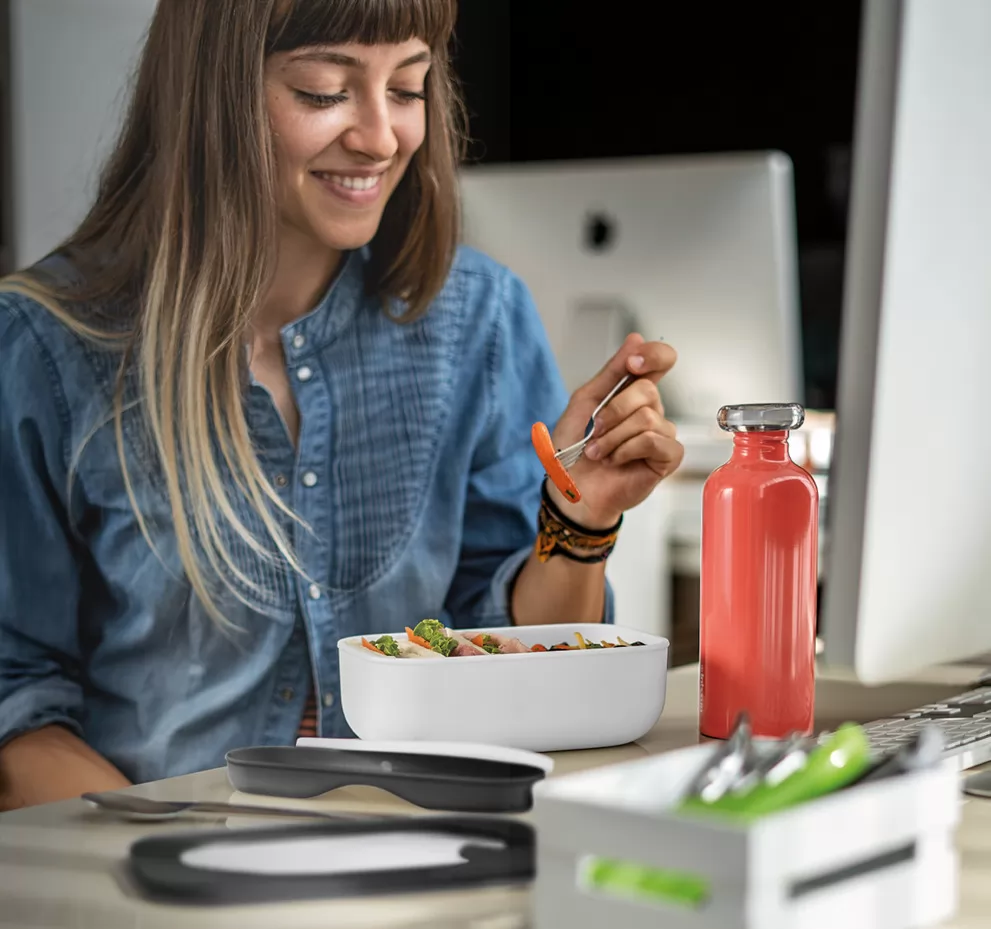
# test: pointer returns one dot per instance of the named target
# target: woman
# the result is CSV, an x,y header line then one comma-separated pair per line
x,y
259,400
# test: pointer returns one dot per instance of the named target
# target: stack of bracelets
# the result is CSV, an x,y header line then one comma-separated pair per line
x,y
558,535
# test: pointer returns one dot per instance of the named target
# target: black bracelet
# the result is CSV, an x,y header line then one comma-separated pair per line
x,y
570,523
558,535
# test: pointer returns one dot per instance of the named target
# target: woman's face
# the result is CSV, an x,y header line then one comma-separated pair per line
x,y
346,121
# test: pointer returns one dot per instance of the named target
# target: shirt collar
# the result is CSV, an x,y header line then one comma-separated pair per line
x,y
333,313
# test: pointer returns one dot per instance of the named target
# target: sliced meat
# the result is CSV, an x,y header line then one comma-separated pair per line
x,y
509,645
466,648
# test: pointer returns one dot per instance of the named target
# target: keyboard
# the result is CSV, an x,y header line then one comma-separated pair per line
x,y
964,719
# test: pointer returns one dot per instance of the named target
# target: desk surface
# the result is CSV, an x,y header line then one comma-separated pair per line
x,y
60,863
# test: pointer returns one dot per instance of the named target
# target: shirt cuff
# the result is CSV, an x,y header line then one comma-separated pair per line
x,y
41,703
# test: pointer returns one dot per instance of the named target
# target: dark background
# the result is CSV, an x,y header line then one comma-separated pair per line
x,y
544,82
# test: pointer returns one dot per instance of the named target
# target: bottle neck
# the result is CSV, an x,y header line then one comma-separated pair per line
x,y
761,446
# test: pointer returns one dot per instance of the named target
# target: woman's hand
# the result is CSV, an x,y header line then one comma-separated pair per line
x,y
633,446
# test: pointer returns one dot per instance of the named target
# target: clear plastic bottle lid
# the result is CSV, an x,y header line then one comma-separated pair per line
x,y
761,417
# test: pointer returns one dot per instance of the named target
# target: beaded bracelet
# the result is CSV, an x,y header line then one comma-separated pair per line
x,y
558,535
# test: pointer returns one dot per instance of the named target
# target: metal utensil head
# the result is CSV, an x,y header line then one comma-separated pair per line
x,y
132,807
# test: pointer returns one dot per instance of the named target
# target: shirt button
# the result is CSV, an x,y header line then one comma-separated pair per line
x,y
314,592
280,480
287,693
304,373
310,479
328,699
298,340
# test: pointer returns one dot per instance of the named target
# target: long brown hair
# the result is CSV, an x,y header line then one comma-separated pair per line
x,y
183,235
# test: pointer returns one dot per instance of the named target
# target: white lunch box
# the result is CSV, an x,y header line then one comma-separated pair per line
x,y
540,701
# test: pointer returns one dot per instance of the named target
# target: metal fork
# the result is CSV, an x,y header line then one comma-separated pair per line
x,y
145,808
570,455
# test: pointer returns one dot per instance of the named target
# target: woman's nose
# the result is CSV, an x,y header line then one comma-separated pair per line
x,y
372,134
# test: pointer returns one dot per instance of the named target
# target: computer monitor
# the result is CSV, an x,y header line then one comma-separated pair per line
x,y
700,251
908,568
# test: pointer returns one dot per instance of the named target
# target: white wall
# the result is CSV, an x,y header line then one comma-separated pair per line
x,y
71,64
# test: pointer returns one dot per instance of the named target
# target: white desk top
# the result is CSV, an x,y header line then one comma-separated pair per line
x,y
60,863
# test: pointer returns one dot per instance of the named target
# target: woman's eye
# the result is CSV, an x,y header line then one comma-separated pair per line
x,y
320,101
323,101
410,96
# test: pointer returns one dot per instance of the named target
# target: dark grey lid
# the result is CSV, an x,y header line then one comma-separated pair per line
x,y
760,417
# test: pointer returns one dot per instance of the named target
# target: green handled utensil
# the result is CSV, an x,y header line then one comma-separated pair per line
x,y
839,761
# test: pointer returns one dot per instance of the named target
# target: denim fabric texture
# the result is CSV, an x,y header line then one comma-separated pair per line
x,y
413,472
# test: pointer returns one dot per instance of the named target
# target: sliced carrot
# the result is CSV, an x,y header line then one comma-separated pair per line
x,y
416,639
479,640
539,648
544,447
374,648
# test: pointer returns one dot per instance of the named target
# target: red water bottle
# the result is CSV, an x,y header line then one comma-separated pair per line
x,y
760,529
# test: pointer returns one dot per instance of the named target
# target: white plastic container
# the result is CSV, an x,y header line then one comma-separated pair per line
x,y
540,701
877,856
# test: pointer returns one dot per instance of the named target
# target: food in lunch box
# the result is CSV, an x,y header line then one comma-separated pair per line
x,y
432,639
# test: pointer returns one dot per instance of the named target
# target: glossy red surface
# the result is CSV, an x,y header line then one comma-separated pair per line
x,y
758,590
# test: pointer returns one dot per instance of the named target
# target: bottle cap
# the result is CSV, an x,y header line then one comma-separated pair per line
x,y
761,417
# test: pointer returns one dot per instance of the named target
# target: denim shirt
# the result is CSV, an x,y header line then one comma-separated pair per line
x,y
413,471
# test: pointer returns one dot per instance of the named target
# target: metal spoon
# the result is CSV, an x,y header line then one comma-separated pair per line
x,y
142,808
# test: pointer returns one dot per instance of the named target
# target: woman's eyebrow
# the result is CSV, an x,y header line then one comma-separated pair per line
x,y
327,56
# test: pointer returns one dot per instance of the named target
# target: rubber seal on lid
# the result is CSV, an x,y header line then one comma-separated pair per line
x,y
761,417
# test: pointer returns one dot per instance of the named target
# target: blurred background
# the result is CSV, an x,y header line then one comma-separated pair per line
x,y
551,90
544,84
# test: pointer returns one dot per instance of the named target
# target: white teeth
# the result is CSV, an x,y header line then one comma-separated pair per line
x,y
354,183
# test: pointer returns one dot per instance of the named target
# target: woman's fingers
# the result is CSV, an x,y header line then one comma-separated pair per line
x,y
647,360
641,394
642,421
661,453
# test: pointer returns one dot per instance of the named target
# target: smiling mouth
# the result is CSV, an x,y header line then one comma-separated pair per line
x,y
350,181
